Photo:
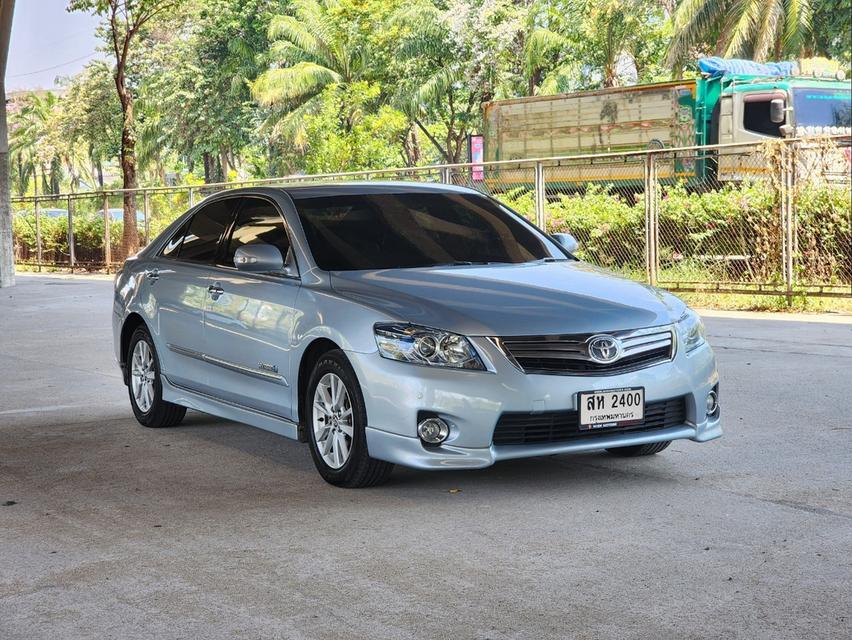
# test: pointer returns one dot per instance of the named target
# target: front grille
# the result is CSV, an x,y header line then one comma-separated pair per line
x,y
559,426
569,354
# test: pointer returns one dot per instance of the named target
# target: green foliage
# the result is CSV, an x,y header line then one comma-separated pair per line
x,y
825,232
832,36
320,46
759,29
459,56
726,234
221,89
344,135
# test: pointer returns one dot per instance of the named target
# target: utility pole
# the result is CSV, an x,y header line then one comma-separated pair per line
x,y
7,253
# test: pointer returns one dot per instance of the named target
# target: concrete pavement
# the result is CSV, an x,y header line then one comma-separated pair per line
x,y
218,530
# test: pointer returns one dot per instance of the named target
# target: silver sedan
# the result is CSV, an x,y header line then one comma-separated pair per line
x,y
424,325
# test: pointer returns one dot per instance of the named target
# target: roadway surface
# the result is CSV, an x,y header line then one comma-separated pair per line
x,y
217,530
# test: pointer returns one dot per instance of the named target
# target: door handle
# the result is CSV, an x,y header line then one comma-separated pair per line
x,y
152,274
215,291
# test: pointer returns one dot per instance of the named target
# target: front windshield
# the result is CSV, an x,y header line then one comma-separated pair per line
x,y
823,107
413,229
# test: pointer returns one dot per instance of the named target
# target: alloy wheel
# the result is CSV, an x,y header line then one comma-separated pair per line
x,y
142,376
333,426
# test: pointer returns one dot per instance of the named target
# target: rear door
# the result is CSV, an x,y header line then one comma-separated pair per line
x,y
180,291
250,319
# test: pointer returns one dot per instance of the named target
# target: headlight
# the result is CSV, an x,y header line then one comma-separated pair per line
x,y
691,331
422,345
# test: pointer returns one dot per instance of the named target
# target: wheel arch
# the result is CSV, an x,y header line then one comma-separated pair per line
x,y
132,322
313,352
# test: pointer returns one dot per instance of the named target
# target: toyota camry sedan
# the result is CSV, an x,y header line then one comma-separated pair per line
x,y
393,323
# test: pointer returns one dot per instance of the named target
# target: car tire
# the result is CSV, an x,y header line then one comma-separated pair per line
x,y
144,384
336,419
639,449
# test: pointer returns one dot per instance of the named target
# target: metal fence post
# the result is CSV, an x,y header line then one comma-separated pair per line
x,y
107,241
446,175
540,197
38,234
146,216
71,260
651,218
191,197
786,201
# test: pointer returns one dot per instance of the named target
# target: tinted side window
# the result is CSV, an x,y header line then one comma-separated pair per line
x,y
205,231
172,247
258,222
756,117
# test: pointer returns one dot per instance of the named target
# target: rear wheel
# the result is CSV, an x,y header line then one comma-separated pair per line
x,y
146,389
336,419
639,449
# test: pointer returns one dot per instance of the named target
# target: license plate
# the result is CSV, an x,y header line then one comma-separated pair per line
x,y
611,408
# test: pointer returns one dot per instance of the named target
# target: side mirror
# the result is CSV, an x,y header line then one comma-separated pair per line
x,y
776,110
566,241
258,258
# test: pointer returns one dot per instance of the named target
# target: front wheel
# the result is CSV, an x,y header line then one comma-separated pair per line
x,y
336,420
145,386
639,449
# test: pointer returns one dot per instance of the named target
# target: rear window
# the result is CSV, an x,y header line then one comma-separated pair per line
x,y
407,230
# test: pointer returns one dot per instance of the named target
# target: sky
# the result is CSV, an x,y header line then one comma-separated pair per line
x,y
47,42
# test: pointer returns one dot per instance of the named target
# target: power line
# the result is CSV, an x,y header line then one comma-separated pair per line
x,y
56,66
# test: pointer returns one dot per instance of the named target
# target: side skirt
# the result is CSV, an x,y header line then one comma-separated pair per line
x,y
228,410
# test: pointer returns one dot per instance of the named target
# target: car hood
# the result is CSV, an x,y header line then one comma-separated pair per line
x,y
519,299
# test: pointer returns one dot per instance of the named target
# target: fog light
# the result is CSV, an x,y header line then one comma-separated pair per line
x,y
712,403
433,430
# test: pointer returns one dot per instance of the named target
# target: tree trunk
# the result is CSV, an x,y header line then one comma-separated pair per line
x,y
130,235
208,168
223,159
411,147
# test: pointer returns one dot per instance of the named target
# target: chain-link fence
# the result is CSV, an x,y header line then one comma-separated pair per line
x,y
773,218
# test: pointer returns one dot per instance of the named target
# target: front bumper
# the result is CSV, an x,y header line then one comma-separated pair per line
x,y
472,402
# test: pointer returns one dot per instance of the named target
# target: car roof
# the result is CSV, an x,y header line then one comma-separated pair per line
x,y
323,189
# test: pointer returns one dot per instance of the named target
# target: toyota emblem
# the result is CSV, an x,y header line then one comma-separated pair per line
x,y
604,349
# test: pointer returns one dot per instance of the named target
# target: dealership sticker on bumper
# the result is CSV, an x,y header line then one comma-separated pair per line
x,y
611,408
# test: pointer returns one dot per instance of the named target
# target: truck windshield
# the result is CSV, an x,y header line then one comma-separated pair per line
x,y
419,229
822,107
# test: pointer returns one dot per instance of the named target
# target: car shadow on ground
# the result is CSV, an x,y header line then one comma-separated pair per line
x,y
577,471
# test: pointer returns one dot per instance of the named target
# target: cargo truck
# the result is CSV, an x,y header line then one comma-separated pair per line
x,y
734,101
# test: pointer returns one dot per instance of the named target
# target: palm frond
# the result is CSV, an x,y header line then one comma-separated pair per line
x,y
692,20
433,90
539,46
743,25
295,32
292,83
797,24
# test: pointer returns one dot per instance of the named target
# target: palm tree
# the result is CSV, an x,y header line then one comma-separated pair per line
x,y
758,29
453,71
313,51
546,57
30,144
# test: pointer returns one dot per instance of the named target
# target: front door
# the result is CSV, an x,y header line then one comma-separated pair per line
x,y
249,318
179,287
